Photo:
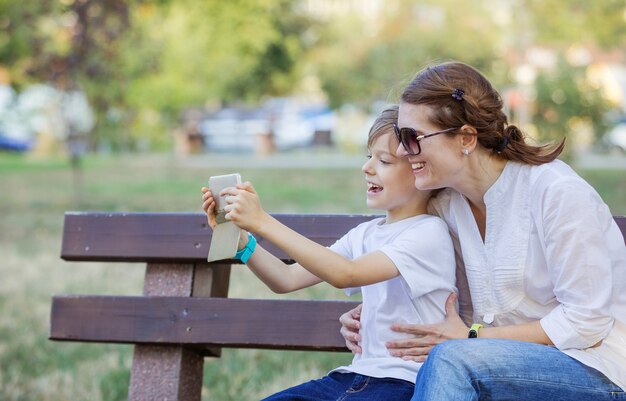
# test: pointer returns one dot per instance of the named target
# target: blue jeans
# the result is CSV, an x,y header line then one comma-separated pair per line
x,y
347,387
491,369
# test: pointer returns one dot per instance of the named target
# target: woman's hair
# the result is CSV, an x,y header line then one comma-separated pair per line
x,y
383,124
458,95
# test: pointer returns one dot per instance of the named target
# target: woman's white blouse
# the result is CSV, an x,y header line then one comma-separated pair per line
x,y
552,252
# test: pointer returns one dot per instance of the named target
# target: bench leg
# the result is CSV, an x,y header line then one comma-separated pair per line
x,y
165,373
174,373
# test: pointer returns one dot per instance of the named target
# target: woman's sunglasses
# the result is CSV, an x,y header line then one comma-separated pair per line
x,y
410,139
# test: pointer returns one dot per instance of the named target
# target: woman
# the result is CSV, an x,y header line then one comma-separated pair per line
x,y
544,259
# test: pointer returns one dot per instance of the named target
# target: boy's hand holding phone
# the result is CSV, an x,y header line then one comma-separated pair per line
x,y
243,207
208,205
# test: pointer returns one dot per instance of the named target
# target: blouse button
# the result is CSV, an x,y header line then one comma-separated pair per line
x,y
488,318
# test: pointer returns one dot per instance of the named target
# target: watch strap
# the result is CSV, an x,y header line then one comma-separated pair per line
x,y
244,253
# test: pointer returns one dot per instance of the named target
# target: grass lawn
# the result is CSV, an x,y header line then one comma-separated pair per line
x,y
36,193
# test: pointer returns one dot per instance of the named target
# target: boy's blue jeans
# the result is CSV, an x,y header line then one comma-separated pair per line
x,y
492,369
347,387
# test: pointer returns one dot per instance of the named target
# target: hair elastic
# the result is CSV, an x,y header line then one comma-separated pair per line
x,y
503,144
458,94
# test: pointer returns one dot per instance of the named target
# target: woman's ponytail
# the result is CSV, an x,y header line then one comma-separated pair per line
x,y
516,149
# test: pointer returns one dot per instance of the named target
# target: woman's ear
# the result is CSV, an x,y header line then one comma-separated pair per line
x,y
468,138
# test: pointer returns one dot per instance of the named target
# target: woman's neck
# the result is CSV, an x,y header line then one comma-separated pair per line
x,y
482,172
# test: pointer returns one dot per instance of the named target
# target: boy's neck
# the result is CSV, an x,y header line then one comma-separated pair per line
x,y
393,216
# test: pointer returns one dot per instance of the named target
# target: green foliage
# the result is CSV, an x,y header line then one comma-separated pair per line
x,y
408,38
565,97
22,28
563,23
212,51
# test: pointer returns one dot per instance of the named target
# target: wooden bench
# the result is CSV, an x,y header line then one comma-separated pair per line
x,y
184,313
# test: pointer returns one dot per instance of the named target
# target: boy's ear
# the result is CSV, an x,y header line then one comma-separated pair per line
x,y
468,137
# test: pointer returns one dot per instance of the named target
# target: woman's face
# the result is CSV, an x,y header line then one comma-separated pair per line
x,y
440,163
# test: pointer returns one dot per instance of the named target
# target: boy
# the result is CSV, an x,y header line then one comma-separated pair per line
x,y
403,264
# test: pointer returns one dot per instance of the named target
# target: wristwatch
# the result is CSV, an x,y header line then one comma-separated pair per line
x,y
473,331
244,253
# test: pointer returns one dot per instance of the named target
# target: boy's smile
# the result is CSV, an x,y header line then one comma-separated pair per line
x,y
373,189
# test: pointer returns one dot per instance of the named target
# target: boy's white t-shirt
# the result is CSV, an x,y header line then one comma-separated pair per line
x,y
422,250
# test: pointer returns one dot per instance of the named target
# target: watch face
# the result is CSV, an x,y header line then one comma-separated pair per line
x,y
473,331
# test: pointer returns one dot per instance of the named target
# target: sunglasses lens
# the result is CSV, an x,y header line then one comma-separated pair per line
x,y
408,138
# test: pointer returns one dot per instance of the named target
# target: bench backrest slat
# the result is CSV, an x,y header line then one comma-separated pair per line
x,y
174,237
202,321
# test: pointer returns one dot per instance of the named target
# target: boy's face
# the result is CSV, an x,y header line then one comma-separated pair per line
x,y
390,181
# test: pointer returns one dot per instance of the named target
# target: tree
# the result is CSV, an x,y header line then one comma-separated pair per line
x,y
564,97
141,62
72,45
218,51
561,23
386,53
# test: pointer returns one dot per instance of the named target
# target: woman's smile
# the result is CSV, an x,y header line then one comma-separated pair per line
x,y
417,166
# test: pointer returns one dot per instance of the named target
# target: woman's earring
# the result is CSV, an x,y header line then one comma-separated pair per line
x,y
466,152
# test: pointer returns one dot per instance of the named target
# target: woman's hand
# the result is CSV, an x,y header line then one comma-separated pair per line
x,y
350,326
425,337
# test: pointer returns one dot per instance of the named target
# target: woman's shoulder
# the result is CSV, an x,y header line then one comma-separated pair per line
x,y
555,177
555,188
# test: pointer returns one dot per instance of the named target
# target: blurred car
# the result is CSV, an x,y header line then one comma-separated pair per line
x,y
290,124
232,129
14,144
615,139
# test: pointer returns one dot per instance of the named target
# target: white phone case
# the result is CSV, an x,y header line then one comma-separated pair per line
x,y
226,234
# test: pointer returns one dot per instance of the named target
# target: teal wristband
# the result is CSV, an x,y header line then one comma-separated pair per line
x,y
247,251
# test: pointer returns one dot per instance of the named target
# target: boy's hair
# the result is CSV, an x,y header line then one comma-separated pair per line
x,y
383,124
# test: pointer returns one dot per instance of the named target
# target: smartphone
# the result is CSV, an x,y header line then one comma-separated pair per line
x,y
226,234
